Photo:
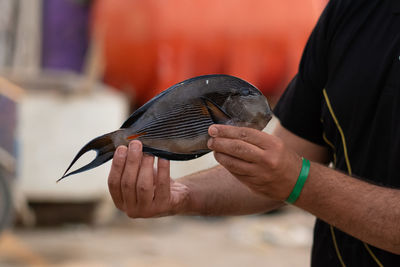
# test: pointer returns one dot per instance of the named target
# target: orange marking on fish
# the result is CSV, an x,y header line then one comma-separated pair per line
x,y
204,110
135,136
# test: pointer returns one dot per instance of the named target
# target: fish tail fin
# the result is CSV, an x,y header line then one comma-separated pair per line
x,y
103,145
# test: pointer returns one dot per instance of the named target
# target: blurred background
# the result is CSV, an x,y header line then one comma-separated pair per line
x,y
71,70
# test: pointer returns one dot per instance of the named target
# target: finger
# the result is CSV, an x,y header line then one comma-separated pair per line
x,y
236,148
245,134
162,182
234,165
129,177
114,178
145,184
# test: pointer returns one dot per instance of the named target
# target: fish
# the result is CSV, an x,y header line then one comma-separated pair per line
x,y
174,124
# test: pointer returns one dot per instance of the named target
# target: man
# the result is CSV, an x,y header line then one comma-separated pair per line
x,y
343,106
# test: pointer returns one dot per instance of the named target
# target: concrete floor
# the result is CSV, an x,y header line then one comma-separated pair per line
x,y
281,239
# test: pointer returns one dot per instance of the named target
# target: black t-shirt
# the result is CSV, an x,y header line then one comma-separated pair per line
x,y
346,96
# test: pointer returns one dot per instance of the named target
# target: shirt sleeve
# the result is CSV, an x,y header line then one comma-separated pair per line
x,y
299,108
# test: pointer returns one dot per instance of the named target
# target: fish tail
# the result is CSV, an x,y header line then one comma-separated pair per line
x,y
103,145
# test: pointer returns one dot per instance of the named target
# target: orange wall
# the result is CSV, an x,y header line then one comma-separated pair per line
x,y
151,44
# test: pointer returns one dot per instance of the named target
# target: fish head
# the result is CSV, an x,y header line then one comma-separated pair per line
x,y
248,107
243,103
228,99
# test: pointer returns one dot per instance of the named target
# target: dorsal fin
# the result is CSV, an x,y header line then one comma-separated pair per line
x,y
134,116
139,112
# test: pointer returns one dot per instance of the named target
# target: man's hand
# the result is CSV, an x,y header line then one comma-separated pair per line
x,y
259,160
141,191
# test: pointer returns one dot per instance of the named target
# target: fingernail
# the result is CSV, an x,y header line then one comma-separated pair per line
x,y
121,152
213,131
210,142
134,146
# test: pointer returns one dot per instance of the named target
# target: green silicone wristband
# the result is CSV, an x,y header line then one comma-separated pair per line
x,y
305,169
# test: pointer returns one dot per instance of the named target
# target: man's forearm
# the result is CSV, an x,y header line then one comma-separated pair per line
x,y
216,192
268,166
368,212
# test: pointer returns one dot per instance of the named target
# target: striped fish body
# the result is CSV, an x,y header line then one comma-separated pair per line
x,y
177,134
174,125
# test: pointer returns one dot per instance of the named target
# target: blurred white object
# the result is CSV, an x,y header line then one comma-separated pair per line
x,y
7,31
53,126
27,50
20,36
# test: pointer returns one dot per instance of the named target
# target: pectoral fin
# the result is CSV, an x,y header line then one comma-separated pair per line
x,y
217,114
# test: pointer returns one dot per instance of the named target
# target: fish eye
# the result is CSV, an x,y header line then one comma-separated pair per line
x,y
244,91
